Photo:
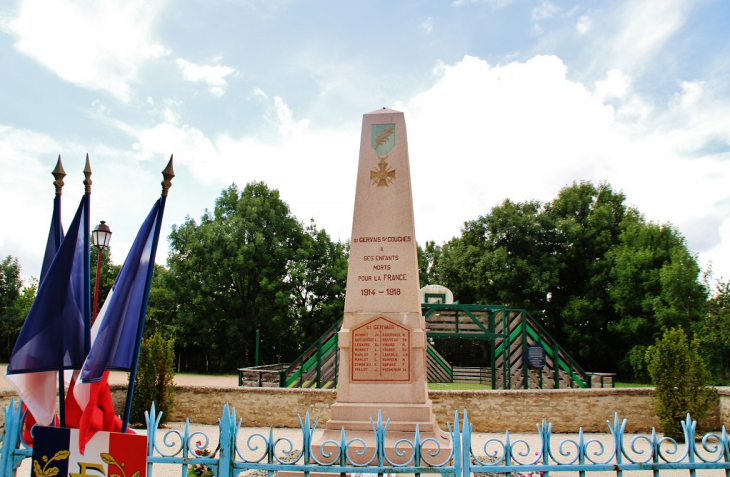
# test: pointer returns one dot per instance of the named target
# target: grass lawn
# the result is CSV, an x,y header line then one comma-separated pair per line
x,y
633,385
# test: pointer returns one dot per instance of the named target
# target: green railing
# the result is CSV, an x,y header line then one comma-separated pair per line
x,y
318,365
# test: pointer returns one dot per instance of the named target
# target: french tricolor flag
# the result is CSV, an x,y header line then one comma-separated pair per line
x,y
115,334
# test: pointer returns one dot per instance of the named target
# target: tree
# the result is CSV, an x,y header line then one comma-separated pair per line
x,y
10,284
655,285
501,258
587,221
429,260
714,333
239,271
680,378
318,277
15,302
598,277
161,307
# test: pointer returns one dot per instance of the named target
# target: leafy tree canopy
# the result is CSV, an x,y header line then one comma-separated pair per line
x,y
15,302
598,276
250,265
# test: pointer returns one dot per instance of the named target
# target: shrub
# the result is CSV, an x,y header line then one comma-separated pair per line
x,y
153,383
680,378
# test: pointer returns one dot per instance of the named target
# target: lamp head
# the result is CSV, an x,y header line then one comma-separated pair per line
x,y
101,235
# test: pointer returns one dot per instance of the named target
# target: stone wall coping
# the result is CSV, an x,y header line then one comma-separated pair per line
x,y
721,390
542,392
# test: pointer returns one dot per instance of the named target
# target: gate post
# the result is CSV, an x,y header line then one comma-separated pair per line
x,y
465,447
10,436
227,455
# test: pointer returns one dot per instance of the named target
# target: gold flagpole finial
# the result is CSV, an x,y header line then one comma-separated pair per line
x,y
87,175
58,174
167,176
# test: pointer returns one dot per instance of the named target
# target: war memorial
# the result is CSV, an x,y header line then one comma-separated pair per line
x,y
383,337
382,420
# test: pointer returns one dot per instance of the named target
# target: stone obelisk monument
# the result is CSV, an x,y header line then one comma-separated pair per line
x,y
383,338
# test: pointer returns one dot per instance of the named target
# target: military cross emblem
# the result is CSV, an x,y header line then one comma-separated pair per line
x,y
382,141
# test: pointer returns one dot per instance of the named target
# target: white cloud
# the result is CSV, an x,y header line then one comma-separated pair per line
x,y
691,93
643,29
427,25
313,169
523,131
544,11
210,75
171,111
616,85
481,134
95,45
617,89
584,24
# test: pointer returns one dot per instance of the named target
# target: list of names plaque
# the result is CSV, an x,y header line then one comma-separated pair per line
x,y
381,351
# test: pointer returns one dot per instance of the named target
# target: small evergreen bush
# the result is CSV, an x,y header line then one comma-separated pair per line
x,y
680,378
155,372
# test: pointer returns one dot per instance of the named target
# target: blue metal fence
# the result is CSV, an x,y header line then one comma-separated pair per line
x,y
236,452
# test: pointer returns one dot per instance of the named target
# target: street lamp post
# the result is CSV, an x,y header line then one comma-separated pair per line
x,y
100,237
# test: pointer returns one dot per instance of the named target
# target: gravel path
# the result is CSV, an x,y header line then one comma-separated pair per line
x,y
120,377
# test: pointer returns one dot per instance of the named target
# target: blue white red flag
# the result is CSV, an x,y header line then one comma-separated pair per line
x,y
52,337
115,331
52,245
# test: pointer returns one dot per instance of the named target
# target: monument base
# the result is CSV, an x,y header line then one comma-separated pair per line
x,y
404,418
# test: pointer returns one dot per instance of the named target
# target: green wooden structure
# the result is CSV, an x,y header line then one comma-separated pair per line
x,y
510,332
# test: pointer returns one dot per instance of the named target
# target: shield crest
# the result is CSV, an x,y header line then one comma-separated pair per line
x,y
382,138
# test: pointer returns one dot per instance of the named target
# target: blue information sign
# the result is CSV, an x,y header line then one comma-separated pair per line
x,y
535,356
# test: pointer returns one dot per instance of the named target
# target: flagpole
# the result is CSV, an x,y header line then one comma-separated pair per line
x,y
167,176
87,268
87,255
58,175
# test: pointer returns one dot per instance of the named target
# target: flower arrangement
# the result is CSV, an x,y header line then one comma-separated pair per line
x,y
200,470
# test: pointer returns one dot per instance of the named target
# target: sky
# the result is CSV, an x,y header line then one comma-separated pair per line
x,y
503,99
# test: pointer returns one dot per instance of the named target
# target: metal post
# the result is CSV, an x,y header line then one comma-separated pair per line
x,y
59,174
319,362
96,285
572,377
256,358
525,371
556,363
506,381
492,346
337,361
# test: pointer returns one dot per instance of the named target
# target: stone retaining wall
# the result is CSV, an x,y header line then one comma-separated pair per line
x,y
489,411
